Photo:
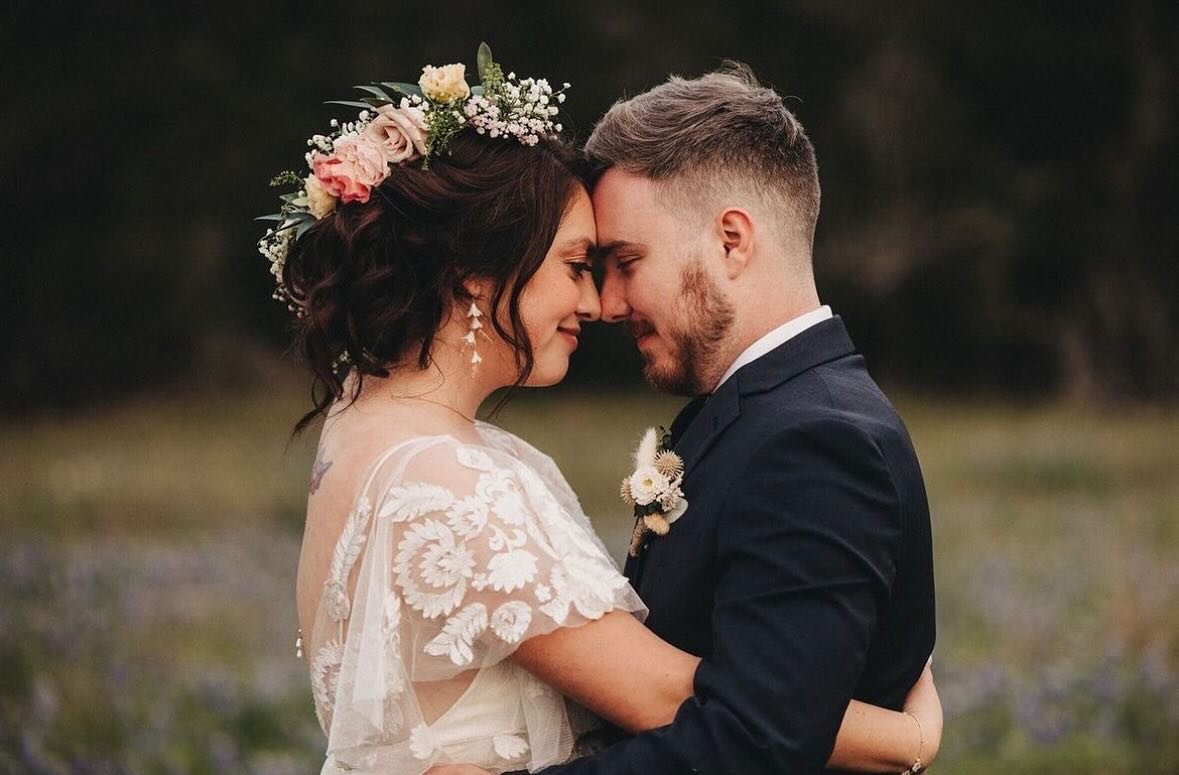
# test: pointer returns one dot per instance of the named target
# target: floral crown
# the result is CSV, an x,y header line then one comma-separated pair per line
x,y
401,123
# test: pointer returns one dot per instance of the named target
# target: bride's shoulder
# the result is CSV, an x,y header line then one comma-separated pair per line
x,y
511,444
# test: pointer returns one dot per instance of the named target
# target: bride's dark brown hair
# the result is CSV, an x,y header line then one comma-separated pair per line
x,y
376,280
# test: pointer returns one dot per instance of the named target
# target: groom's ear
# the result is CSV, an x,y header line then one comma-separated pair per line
x,y
736,232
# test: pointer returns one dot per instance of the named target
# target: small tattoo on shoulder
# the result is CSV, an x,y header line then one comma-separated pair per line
x,y
318,469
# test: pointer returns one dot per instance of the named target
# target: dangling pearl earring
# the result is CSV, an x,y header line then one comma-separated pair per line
x,y
473,314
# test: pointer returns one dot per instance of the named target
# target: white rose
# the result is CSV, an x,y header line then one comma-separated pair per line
x,y
400,131
646,484
319,201
445,84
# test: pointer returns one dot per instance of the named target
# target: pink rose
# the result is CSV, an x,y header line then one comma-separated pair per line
x,y
349,173
401,132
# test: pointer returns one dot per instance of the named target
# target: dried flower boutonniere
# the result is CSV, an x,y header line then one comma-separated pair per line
x,y
654,488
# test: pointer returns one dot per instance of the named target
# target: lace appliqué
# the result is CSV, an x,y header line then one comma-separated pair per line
x,y
492,540
348,548
325,672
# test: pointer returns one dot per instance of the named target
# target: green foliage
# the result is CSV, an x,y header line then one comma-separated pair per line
x,y
984,227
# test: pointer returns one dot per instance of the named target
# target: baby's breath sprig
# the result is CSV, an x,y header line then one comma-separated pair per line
x,y
286,178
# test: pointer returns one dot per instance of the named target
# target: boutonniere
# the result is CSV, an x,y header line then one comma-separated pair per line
x,y
654,488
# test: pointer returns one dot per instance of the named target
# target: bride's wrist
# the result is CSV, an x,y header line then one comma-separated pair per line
x,y
918,763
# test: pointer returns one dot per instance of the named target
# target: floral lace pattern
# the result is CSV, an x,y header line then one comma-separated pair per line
x,y
452,556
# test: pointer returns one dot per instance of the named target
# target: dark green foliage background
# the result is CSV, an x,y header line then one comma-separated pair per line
x,y
999,177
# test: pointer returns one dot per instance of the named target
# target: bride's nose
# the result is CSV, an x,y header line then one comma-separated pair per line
x,y
589,304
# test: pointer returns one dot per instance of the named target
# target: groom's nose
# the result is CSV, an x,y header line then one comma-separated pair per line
x,y
614,306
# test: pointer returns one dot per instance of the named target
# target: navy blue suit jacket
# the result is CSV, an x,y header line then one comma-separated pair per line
x,y
801,573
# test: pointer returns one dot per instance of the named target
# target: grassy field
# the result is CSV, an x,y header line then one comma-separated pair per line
x,y
147,556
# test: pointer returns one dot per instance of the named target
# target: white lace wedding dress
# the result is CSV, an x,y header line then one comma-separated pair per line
x,y
452,556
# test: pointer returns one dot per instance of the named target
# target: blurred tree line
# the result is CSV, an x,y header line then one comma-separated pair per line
x,y
998,177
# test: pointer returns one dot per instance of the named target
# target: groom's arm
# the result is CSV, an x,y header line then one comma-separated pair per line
x,y
806,554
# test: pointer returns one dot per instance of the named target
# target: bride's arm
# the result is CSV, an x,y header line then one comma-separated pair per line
x,y
616,667
875,739
625,673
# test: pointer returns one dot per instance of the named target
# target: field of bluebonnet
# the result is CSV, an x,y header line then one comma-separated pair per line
x,y
147,555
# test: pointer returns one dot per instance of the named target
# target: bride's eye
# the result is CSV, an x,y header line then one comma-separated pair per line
x,y
579,268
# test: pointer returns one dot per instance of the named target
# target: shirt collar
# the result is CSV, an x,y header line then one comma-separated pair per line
x,y
780,335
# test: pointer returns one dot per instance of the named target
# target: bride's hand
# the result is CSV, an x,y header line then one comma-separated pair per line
x,y
923,703
456,769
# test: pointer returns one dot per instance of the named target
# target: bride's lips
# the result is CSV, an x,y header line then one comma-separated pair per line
x,y
570,336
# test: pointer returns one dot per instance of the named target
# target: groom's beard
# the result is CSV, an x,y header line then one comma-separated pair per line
x,y
691,368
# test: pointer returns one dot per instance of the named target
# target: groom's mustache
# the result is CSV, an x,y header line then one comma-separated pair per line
x,y
639,328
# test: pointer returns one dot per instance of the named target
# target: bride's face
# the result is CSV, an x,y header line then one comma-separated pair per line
x,y
561,296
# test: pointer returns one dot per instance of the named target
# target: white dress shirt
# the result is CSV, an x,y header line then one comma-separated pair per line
x,y
788,330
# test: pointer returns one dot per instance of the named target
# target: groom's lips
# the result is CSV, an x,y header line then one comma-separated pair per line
x,y
640,332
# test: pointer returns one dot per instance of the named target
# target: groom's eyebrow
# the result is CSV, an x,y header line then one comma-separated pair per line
x,y
621,246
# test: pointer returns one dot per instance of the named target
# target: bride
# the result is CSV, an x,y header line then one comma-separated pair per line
x,y
455,603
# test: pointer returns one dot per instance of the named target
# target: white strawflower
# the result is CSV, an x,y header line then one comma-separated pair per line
x,y
647,484
445,84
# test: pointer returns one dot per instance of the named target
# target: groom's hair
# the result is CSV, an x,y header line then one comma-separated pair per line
x,y
711,138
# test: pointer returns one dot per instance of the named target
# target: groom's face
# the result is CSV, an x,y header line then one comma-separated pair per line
x,y
656,282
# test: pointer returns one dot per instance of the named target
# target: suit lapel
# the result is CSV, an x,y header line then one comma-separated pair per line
x,y
685,417
703,420
819,344
717,413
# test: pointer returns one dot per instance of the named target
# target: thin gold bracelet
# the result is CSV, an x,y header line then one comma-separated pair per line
x,y
917,765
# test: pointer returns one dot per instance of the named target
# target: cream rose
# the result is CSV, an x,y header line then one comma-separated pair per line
x,y
646,485
400,131
445,84
319,201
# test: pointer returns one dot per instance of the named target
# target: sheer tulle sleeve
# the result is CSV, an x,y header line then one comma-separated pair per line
x,y
462,553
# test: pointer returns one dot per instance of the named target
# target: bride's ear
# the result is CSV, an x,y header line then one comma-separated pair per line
x,y
477,290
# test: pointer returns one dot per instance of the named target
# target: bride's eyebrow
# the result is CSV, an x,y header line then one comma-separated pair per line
x,y
577,247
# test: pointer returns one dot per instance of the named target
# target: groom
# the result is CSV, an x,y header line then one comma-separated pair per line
x,y
802,570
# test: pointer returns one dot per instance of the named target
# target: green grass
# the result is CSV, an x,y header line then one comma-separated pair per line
x,y
147,556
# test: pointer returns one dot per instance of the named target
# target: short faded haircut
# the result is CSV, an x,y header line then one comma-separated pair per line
x,y
713,137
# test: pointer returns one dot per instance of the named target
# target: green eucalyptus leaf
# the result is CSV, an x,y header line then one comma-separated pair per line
x,y
303,227
272,217
288,197
374,102
408,89
378,93
349,103
484,61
